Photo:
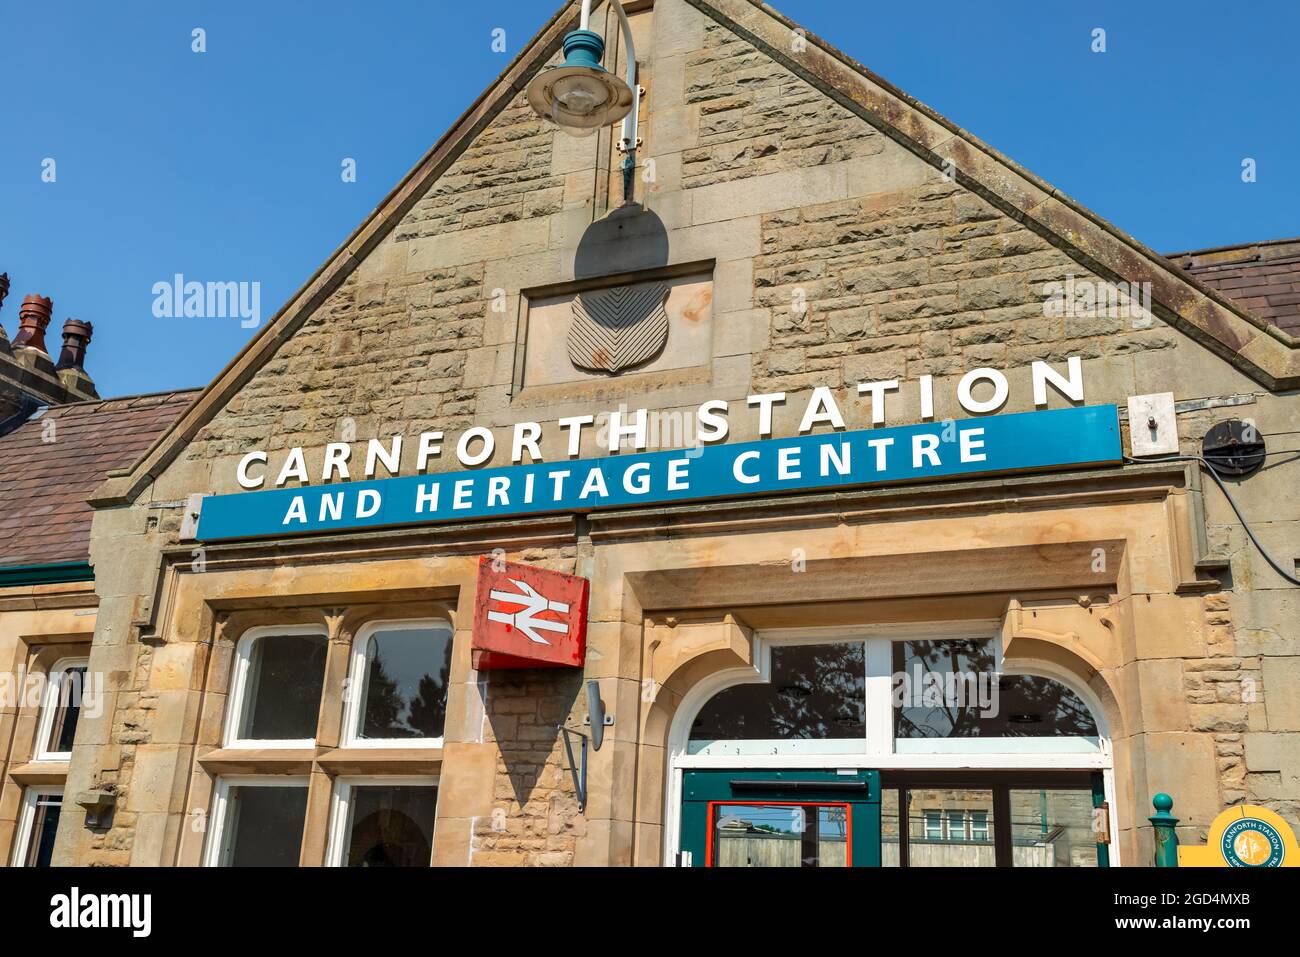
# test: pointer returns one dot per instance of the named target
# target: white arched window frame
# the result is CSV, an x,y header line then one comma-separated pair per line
x,y
237,699
357,678
341,802
878,748
58,695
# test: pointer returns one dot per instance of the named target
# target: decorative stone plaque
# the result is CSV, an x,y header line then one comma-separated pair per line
x,y
619,328
656,325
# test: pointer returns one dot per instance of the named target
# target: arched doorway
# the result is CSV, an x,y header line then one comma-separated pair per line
x,y
908,746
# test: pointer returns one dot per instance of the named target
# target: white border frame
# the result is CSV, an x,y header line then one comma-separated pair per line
x,y
221,807
878,751
343,786
235,703
356,683
27,818
49,706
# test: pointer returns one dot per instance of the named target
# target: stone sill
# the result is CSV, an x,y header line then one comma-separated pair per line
x,y
381,760
40,773
229,761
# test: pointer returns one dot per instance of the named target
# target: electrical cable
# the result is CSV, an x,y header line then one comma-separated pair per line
x,y
1250,533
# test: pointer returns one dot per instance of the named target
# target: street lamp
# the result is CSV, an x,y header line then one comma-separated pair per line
x,y
580,96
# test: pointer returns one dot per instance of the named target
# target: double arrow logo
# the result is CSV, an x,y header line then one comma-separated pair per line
x,y
525,620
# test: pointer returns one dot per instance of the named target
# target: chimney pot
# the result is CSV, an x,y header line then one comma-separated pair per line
x,y
76,336
33,317
4,292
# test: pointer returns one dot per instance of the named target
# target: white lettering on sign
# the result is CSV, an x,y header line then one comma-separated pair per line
x,y
966,439
738,468
979,392
241,474
1024,441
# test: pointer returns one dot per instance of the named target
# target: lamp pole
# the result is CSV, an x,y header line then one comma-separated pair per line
x,y
629,141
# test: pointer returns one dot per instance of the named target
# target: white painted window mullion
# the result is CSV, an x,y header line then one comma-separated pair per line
x,y
880,710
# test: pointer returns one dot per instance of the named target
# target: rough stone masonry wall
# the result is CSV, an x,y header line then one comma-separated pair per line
x,y
134,712
1225,696
535,818
756,117
928,279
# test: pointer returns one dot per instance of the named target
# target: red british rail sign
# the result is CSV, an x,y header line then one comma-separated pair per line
x,y
528,617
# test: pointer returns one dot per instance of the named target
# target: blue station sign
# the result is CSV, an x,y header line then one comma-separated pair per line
x,y
1057,438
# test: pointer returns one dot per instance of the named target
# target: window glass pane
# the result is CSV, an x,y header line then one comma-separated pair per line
x,y
1052,828
1034,707
45,823
948,689
390,826
937,830
933,826
405,692
890,851
263,826
956,825
817,691
780,835
67,702
282,695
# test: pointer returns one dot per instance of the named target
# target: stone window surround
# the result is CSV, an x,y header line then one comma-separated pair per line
x,y
28,771
327,760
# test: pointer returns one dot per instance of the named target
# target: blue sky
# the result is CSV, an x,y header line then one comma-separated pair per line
x,y
225,165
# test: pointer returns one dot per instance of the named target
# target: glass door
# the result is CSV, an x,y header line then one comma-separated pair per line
x,y
994,819
859,818
748,818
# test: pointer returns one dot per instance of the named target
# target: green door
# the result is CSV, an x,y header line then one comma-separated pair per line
x,y
747,818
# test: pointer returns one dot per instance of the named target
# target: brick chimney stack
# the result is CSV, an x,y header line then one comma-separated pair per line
x,y
33,317
4,292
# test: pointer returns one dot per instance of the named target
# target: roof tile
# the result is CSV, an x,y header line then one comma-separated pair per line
x,y
47,474
1263,278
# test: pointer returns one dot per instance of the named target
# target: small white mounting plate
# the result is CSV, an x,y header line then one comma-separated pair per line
x,y
1153,427
190,520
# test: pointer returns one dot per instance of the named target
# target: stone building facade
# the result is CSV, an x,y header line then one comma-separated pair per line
x,y
811,226
58,442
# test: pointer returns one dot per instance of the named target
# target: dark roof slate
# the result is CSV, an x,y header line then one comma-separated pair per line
x,y
1262,278
51,464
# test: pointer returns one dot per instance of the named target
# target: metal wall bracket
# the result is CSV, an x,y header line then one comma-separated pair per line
x,y
578,772
597,720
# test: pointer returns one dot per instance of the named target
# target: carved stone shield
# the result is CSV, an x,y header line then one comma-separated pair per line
x,y
618,328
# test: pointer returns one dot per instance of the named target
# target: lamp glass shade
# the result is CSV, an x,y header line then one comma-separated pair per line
x,y
580,95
